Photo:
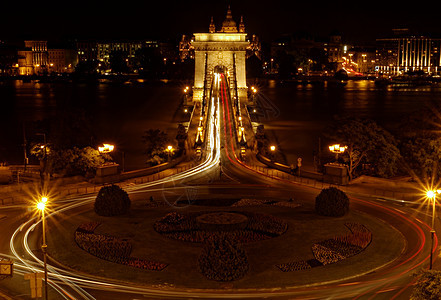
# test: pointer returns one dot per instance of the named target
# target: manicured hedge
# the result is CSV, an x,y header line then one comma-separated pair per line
x,y
112,201
332,202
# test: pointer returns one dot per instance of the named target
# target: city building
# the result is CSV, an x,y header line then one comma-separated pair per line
x,y
127,48
62,60
36,59
8,59
408,52
87,51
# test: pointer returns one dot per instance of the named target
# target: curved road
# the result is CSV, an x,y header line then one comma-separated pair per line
x,y
393,281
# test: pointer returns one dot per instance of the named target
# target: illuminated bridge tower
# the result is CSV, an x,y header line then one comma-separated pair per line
x,y
222,50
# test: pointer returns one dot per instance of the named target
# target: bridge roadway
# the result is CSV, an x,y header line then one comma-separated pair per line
x,y
220,160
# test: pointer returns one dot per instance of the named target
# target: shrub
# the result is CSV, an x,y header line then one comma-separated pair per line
x,y
112,201
223,260
332,202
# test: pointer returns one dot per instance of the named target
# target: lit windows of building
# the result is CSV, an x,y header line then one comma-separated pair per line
x,y
406,52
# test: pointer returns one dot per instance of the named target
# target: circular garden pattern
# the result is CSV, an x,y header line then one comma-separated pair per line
x,y
243,226
223,233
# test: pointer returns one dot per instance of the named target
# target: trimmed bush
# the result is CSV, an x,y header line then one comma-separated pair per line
x,y
222,259
332,202
112,201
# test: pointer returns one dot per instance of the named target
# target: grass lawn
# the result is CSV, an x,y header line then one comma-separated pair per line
x,y
304,229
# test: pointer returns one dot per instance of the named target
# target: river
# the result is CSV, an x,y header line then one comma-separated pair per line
x,y
120,113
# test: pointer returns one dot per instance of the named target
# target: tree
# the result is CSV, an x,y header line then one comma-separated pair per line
x,y
366,142
181,137
89,159
420,142
155,142
428,285
68,162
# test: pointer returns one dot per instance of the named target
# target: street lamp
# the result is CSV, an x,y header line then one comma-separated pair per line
x,y
106,148
254,91
169,150
42,206
431,194
337,149
272,149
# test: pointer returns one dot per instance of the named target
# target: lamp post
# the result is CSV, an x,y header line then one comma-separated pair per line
x,y
432,195
42,206
43,160
254,91
169,150
337,149
272,149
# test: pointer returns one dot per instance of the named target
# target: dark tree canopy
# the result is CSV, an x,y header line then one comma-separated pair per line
x,y
428,285
420,142
367,142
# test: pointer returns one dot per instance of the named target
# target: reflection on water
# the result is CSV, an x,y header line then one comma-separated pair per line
x,y
121,113
306,110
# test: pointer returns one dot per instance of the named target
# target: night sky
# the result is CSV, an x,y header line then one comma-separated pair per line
x,y
356,20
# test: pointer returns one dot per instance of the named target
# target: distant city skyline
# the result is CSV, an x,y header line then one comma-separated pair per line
x,y
358,22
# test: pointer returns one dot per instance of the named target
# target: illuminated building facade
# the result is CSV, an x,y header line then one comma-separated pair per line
x,y
104,50
62,60
36,58
87,51
224,49
406,52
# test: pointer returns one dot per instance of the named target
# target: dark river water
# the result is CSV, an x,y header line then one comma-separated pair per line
x,y
120,113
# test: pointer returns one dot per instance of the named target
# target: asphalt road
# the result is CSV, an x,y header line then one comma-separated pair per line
x,y
220,173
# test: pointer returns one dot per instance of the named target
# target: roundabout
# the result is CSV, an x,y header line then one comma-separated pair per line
x,y
176,238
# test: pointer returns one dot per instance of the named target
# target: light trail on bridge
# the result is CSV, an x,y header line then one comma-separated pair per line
x,y
71,285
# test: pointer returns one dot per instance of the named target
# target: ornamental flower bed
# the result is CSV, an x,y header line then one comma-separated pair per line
x,y
294,266
184,227
223,259
335,249
257,202
222,234
111,248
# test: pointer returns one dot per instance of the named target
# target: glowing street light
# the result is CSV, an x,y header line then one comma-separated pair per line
x,y
42,206
431,194
169,150
106,148
272,149
337,149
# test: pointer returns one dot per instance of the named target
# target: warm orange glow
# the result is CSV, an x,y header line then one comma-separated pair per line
x,y
106,148
337,148
41,205
272,148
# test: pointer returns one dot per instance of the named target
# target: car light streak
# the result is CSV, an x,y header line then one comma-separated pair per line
x,y
59,278
212,159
